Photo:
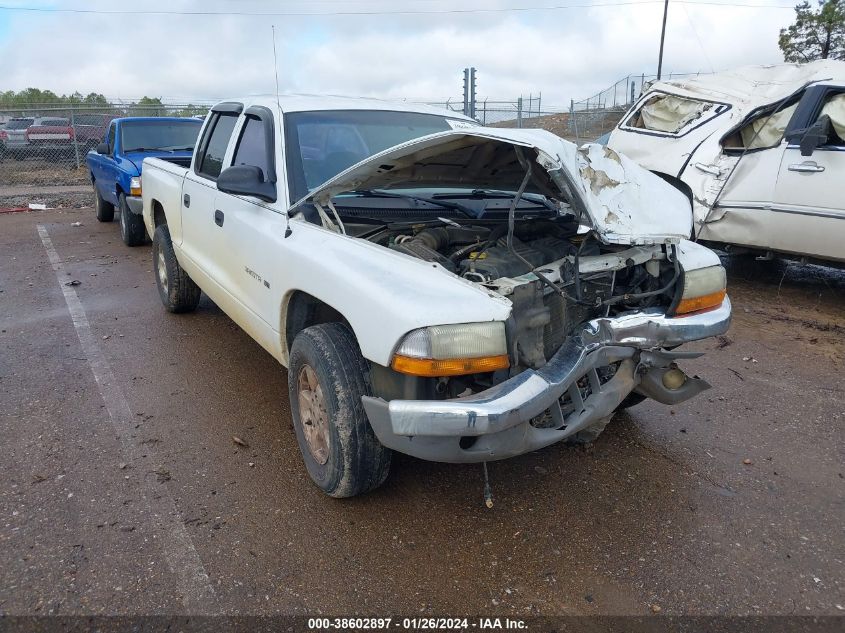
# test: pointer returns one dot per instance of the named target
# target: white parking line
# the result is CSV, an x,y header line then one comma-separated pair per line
x,y
169,530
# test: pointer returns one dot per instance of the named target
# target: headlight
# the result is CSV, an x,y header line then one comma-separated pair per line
x,y
135,186
453,350
704,289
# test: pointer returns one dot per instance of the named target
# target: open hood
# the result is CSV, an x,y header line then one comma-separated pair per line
x,y
621,201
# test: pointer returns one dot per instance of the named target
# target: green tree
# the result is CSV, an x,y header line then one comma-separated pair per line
x,y
149,106
816,34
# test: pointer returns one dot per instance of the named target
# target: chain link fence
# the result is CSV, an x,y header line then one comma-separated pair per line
x,y
580,121
591,118
45,144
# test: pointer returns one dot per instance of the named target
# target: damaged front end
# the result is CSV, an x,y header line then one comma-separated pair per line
x,y
589,250
574,359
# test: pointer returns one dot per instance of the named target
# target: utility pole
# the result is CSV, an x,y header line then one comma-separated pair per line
x,y
662,39
466,91
469,92
472,94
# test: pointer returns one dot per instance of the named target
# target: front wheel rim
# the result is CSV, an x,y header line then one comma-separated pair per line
x,y
162,272
313,416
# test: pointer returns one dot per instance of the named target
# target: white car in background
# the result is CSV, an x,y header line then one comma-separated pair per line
x,y
759,151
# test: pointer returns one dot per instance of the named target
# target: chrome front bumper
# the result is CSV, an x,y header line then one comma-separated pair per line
x,y
499,418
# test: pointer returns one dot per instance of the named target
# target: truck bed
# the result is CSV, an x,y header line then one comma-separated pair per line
x,y
162,185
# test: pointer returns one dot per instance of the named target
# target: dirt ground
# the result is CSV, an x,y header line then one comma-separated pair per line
x,y
586,126
36,171
123,492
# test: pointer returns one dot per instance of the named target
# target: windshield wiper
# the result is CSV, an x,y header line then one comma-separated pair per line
x,y
379,193
492,194
189,148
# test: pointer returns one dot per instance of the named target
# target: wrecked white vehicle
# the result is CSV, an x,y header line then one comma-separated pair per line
x,y
465,296
759,151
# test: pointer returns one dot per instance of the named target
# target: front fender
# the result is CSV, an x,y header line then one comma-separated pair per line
x,y
381,293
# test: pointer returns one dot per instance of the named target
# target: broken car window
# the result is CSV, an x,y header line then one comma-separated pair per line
x,y
767,130
835,109
672,114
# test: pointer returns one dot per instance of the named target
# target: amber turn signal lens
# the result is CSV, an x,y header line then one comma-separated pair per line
x,y
700,304
432,368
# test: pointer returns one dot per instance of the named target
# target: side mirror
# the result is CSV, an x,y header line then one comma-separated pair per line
x,y
815,136
103,148
246,180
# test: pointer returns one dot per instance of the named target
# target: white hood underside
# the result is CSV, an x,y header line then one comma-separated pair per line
x,y
621,201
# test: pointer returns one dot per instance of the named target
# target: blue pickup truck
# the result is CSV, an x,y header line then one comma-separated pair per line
x,y
115,165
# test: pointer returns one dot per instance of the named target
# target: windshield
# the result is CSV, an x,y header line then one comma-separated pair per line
x,y
320,145
163,135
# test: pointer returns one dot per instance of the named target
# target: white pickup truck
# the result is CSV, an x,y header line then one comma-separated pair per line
x,y
453,292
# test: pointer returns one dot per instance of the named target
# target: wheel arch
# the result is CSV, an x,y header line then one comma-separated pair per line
x,y
159,216
677,183
300,310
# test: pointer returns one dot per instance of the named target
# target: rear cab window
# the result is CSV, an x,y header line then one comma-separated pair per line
x,y
19,124
664,114
213,145
54,122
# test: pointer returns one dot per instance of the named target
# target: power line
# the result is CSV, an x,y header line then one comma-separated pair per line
x,y
562,7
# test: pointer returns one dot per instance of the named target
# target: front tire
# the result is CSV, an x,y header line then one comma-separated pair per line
x,y
327,376
105,210
177,290
132,229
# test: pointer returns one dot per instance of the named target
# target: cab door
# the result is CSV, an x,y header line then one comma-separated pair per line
x,y
201,240
251,230
104,178
808,213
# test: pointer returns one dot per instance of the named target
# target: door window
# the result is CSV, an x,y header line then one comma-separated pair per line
x,y
110,138
764,130
211,161
834,107
252,147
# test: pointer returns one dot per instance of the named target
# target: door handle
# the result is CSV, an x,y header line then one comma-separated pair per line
x,y
808,166
708,169
218,217
186,199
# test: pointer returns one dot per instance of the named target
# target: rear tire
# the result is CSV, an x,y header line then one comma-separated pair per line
x,y
326,378
177,290
132,229
105,210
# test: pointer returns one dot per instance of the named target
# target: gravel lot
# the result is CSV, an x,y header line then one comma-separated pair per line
x,y
129,496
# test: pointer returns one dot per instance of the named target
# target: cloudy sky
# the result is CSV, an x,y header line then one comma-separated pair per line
x,y
414,49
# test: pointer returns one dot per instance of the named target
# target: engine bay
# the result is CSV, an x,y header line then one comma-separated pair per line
x,y
556,276
480,253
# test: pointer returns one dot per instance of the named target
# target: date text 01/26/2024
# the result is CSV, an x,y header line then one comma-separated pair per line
x,y
415,624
